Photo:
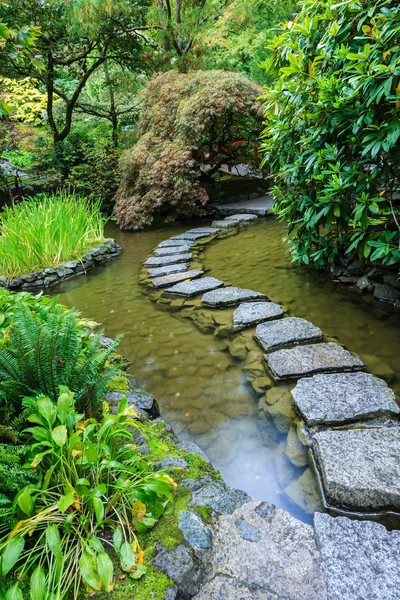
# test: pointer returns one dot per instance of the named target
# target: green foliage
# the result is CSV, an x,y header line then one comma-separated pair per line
x,y
46,349
185,119
21,159
48,230
26,102
95,485
332,130
119,384
12,476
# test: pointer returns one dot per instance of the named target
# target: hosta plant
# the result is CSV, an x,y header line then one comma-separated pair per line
x,y
98,491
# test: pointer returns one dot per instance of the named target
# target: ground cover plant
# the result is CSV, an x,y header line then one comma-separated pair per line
x,y
332,130
97,492
48,230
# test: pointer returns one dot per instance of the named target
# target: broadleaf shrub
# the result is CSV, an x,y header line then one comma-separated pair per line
x,y
332,130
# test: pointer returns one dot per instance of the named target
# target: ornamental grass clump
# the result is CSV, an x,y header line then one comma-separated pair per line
x,y
48,230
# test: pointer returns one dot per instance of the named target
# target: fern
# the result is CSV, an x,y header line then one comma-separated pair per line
x,y
43,353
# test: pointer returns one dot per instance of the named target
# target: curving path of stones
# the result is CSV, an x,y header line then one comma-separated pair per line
x,y
350,421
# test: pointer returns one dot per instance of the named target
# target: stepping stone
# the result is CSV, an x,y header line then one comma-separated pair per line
x,y
191,236
230,296
360,468
171,250
252,313
242,218
343,397
193,288
161,261
204,230
167,270
291,330
225,224
255,206
307,360
173,242
360,559
166,280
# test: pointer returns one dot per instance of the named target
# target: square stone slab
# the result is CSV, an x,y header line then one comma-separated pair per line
x,y
172,250
166,280
360,468
242,218
173,242
167,270
252,313
161,261
230,296
291,330
193,288
360,559
204,230
343,397
191,236
225,224
307,360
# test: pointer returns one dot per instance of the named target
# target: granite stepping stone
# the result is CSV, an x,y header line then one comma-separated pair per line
x,y
172,250
204,230
242,218
252,313
191,235
230,296
166,280
360,559
316,358
167,270
334,399
173,242
193,288
161,261
291,330
225,224
360,468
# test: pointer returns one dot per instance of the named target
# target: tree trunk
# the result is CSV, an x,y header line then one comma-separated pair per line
x,y
113,110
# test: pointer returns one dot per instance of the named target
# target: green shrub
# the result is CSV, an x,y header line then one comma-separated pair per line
x,y
45,350
332,130
12,476
97,492
48,230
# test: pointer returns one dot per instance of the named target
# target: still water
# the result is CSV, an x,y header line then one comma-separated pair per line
x,y
202,390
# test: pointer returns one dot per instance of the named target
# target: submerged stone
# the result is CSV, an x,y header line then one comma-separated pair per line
x,y
225,224
291,330
166,280
252,313
161,261
193,288
173,242
167,270
172,250
242,218
230,296
343,397
315,358
360,559
360,468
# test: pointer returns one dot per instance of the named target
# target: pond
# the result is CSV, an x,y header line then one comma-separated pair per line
x,y
202,390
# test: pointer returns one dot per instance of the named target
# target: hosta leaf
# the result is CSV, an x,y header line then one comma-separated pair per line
x,y
25,501
105,570
127,557
87,566
11,554
38,584
59,435
14,593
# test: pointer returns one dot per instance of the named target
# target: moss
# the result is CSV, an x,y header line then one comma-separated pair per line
x,y
119,384
205,513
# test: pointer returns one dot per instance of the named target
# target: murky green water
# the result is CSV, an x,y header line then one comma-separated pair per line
x,y
203,390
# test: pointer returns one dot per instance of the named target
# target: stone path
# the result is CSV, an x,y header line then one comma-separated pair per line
x,y
257,206
271,555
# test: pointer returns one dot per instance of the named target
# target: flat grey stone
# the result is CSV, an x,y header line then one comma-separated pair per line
x,y
225,224
143,402
174,242
194,448
171,462
161,261
360,468
166,280
252,313
167,270
193,288
386,292
256,206
171,593
360,559
196,234
171,250
343,397
195,532
291,330
215,493
181,566
229,296
242,218
204,230
315,358
283,564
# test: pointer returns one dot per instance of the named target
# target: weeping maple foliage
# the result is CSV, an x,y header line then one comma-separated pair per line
x,y
187,120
